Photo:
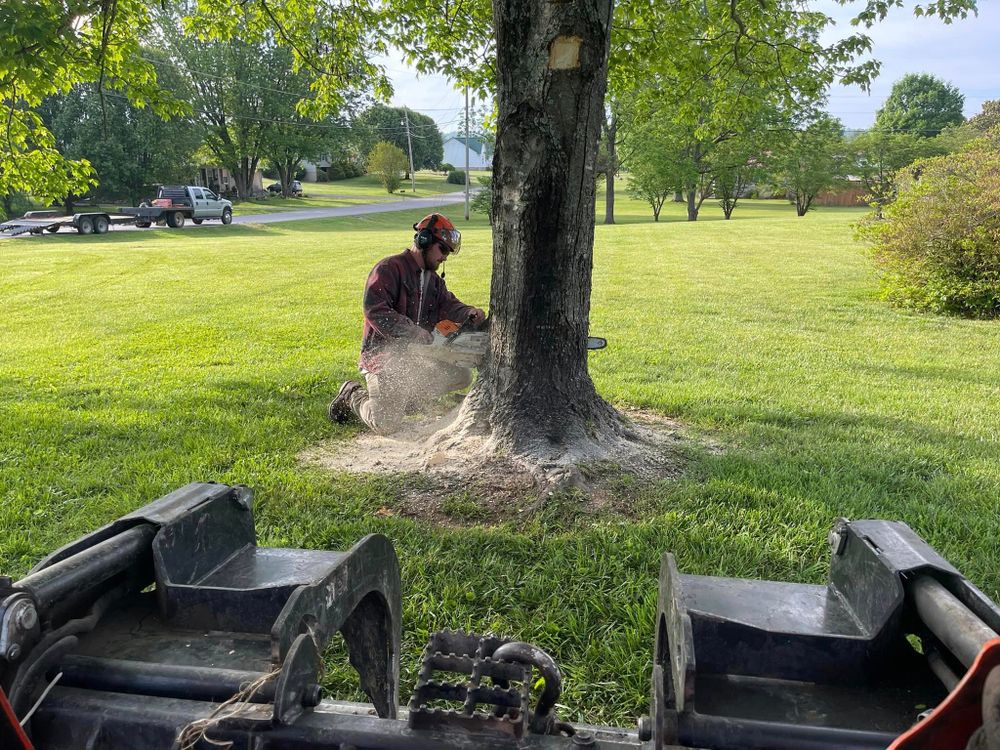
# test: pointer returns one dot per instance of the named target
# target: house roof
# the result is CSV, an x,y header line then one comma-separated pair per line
x,y
474,143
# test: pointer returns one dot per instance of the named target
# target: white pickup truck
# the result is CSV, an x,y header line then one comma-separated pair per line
x,y
176,203
173,206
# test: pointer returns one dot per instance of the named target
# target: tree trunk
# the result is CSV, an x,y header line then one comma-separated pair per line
x,y
247,166
802,203
239,177
692,204
609,175
286,175
534,397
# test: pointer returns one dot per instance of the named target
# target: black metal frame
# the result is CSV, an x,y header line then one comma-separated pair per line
x,y
759,664
222,612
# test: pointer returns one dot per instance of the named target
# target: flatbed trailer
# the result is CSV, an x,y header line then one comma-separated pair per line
x,y
173,206
87,222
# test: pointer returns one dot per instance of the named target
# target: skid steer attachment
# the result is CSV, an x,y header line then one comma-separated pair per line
x,y
759,664
222,613
171,628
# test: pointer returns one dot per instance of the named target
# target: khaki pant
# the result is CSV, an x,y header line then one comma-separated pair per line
x,y
405,384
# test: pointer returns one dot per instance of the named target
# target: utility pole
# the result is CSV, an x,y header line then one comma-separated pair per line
x,y
466,152
409,146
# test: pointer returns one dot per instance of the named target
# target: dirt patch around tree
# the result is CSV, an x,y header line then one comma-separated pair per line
x,y
469,485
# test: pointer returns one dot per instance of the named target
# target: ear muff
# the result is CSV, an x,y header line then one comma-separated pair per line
x,y
425,237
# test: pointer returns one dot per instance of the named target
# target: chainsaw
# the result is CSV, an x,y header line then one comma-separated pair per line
x,y
465,344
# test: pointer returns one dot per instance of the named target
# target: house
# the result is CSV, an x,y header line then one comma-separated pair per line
x,y
480,152
314,169
222,182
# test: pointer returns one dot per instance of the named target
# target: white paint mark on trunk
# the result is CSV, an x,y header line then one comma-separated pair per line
x,y
564,53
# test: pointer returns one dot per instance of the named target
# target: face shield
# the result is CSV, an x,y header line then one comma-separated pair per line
x,y
451,239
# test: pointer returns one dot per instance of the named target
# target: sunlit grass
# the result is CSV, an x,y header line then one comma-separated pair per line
x,y
357,190
136,362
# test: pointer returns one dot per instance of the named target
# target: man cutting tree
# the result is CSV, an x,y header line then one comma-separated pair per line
x,y
404,300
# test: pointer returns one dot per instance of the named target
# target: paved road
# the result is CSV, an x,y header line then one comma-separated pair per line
x,y
437,201
444,199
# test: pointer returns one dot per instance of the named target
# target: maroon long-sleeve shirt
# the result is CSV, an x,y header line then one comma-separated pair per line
x,y
395,307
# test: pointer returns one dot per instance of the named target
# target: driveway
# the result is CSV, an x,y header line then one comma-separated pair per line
x,y
444,199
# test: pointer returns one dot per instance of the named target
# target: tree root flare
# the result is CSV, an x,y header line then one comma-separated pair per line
x,y
454,472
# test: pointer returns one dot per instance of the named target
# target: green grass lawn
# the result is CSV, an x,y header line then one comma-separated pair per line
x,y
366,189
351,192
133,363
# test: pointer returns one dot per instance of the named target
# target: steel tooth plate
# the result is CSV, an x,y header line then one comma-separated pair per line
x,y
452,674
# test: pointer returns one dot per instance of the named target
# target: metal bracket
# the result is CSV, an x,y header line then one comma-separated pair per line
x,y
18,626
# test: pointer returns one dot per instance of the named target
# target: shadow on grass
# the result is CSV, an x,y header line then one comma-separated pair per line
x,y
77,457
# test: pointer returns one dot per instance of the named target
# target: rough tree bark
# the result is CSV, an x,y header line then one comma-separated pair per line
x,y
534,398
246,168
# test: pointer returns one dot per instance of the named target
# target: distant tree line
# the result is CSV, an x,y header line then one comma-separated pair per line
x,y
931,178
776,149
244,112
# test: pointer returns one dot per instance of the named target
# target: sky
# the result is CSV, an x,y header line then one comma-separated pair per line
x,y
965,53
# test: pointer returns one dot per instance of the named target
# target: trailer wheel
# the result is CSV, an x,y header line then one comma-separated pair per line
x,y
101,224
197,221
86,225
144,224
175,219
227,216
52,229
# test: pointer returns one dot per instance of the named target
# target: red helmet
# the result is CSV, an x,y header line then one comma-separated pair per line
x,y
437,228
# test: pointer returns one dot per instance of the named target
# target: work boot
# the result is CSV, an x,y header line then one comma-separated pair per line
x,y
341,409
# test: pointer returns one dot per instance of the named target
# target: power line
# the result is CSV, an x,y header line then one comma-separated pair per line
x,y
261,87
296,123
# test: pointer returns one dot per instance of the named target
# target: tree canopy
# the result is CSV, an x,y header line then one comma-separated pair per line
x,y
129,148
877,155
920,104
811,161
381,123
48,46
987,118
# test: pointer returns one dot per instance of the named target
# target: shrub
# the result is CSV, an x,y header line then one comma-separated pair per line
x,y
483,200
387,162
343,169
456,177
446,167
14,205
937,246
